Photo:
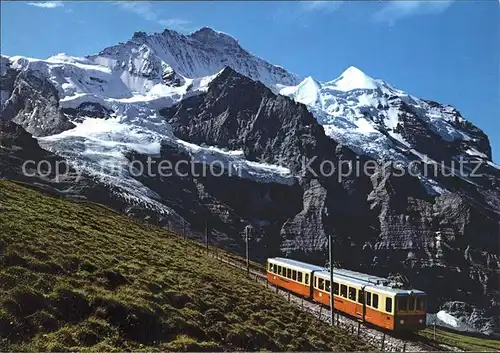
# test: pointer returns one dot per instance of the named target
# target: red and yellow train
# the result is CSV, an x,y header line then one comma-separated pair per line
x,y
368,298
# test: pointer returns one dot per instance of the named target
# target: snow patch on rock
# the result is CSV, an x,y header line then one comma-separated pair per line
x,y
447,318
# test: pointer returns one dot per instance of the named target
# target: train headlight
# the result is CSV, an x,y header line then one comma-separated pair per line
x,y
421,321
401,321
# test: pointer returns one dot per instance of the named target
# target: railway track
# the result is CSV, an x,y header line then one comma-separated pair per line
x,y
383,340
427,344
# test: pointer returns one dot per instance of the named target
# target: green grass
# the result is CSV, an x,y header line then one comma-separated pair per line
x,y
464,342
78,276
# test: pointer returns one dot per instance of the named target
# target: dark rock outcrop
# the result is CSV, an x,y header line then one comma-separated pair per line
x,y
224,203
171,78
17,148
33,103
87,109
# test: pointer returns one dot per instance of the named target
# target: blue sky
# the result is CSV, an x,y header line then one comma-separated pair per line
x,y
446,51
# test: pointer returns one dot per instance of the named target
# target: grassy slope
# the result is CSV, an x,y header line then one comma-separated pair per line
x,y
78,276
467,343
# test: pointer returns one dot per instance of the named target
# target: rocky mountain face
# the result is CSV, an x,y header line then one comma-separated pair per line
x,y
32,103
295,144
198,54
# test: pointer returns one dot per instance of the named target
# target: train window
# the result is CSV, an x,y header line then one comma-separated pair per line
x,y
327,286
321,283
343,290
401,303
369,298
388,305
335,288
420,304
375,301
299,276
289,273
307,278
352,293
279,270
275,269
294,275
315,282
270,267
360,296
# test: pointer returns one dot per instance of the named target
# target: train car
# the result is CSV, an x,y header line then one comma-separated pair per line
x,y
368,298
292,275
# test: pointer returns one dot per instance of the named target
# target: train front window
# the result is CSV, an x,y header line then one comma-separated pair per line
x,y
360,296
402,303
375,301
327,286
321,284
280,272
388,305
420,303
307,278
411,304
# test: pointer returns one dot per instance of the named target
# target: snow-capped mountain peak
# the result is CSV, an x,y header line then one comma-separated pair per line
x,y
306,92
201,53
112,99
375,119
354,78
209,35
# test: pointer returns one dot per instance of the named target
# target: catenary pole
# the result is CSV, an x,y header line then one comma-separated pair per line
x,y
247,231
330,250
206,236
